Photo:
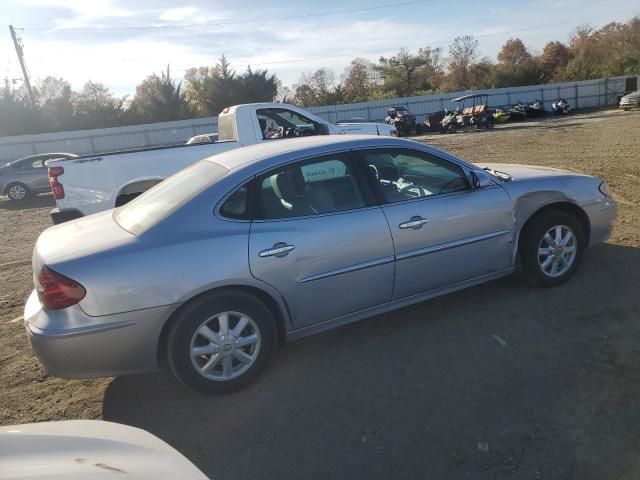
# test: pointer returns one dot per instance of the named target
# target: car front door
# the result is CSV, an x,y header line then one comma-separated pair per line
x,y
33,173
318,237
444,231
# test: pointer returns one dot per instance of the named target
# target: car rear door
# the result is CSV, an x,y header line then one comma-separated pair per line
x,y
318,237
444,231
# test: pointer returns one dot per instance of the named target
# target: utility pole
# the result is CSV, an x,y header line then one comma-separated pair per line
x,y
16,43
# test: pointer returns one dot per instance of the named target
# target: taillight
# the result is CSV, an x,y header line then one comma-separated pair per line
x,y
57,291
56,186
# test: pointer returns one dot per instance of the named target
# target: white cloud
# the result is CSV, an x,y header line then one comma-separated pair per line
x,y
179,14
84,12
119,65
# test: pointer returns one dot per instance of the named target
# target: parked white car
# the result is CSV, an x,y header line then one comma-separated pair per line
x,y
93,183
203,138
88,449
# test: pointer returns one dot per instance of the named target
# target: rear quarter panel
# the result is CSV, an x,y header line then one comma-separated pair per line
x,y
189,252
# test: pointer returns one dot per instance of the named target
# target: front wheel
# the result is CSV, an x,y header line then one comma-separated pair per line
x,y
220,342
551,248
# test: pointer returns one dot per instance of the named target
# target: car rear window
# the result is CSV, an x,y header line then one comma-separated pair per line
x,y
166,197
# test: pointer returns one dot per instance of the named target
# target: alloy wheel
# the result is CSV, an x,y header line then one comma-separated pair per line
x,y
225,346
557,250
17,192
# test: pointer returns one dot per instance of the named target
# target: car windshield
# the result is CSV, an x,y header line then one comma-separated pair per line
x,y
166,197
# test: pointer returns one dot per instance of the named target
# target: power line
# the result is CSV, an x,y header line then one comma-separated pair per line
x,y
235,22
327,57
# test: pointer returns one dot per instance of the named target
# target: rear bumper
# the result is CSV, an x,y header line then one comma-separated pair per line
x,y
72,344
60,216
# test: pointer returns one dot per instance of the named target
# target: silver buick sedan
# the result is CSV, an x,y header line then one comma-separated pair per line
x,y
210,270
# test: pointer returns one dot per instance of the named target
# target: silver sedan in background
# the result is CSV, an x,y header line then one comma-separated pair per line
x,y
208,271
28,176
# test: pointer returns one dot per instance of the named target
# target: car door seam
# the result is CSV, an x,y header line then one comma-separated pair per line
x,y
395,254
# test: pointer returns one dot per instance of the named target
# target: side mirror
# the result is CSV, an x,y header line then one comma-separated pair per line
x,y
323,129
480,179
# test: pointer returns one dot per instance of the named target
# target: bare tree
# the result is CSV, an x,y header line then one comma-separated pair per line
x,y
463,53
514,52
357,81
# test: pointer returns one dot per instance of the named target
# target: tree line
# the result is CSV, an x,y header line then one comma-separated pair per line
x,y
609,51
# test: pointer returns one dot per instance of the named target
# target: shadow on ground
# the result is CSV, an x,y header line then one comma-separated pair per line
x,y
425,391
38,201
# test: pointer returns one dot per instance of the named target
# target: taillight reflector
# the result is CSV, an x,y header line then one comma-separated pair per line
x,y
57,291
56,186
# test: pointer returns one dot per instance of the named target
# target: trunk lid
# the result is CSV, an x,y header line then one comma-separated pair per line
x,y
78,237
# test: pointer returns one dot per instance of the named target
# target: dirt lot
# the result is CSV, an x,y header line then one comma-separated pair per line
x,y
414,393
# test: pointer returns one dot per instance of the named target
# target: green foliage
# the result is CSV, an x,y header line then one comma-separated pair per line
x,y
158,99
96,107
405,73
17,114
210,89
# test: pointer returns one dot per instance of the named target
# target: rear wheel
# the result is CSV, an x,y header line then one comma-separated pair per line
x,y
220,342
17,191
551,248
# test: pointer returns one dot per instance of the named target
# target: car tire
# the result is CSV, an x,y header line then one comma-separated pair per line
x,y
238,362
546,263
17,191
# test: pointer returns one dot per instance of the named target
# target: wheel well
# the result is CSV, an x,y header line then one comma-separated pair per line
x,y
566,207
138,187
267,299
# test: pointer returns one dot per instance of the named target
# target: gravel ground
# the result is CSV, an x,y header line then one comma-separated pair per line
x,y
424,392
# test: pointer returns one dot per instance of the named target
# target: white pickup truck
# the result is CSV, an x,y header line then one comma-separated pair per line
x,y
92,183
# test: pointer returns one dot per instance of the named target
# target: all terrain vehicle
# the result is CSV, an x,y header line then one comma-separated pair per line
x,y
561,106
402,119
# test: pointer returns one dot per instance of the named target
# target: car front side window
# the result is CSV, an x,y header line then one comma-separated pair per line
x,y
323,185
401,174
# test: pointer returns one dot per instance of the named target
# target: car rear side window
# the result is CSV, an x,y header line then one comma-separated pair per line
x,y
322,185
236,204
166,197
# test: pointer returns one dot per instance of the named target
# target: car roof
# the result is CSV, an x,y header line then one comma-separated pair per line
x,y
304,146
48,156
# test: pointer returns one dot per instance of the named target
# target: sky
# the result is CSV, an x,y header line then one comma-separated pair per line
x,y
120,42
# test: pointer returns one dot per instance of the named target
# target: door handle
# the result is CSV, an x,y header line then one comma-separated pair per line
x,y
280,249
415,223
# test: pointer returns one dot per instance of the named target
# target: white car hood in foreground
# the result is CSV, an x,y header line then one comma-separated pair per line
x,y
88,449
